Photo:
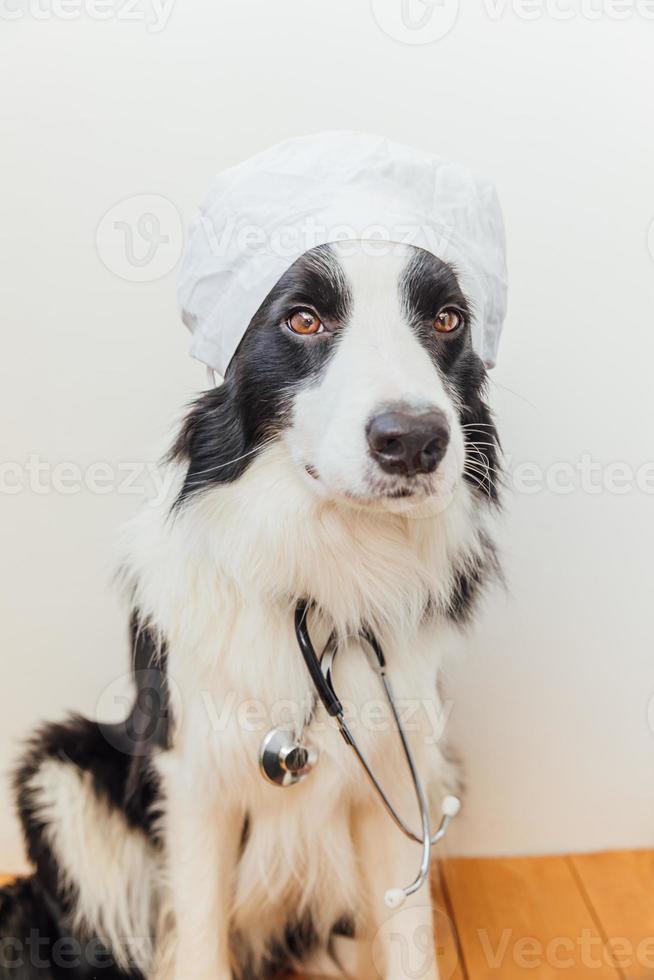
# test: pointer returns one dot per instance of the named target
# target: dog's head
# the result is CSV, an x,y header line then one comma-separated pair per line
x,y
360,363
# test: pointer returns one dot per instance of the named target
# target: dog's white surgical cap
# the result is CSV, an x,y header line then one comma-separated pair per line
x,y
263,214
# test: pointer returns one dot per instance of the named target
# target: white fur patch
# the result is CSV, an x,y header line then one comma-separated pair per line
x,y
110,868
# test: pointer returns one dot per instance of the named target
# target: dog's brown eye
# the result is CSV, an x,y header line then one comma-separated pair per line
x,y
448,320
305,322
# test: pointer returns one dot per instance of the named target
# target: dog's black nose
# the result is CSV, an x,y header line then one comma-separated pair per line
x,y
406,443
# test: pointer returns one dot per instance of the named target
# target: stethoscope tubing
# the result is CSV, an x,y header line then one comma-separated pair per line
x,y
321,671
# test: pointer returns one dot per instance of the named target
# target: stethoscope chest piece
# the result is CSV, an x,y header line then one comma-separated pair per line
x,y
283,760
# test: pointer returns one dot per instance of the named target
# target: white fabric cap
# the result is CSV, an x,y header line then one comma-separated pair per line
x,y
263,214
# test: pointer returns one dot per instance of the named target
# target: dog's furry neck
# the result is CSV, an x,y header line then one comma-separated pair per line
x,y
268,539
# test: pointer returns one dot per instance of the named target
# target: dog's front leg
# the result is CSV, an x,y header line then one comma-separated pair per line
x,y
202,839
396,944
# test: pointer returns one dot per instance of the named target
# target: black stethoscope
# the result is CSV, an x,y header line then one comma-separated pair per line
x,y
284,760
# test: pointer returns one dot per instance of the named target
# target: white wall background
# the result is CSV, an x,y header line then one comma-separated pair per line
x,y
550,707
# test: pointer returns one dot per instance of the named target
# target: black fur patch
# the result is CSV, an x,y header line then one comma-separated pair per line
x,y
35,944
470,578
24,915
227,426
299,941
429,286
117,759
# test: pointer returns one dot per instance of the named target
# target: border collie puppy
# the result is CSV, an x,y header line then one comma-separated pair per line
x,y
350,460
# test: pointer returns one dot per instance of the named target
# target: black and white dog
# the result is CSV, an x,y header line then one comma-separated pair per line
x,y
348,458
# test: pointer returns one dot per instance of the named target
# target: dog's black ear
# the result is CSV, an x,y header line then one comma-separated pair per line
x,y
212,441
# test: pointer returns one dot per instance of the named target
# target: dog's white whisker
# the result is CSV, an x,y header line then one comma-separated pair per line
x,y
196,474
483,481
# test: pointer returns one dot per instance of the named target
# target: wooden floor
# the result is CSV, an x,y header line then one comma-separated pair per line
x,y
589,916
577,916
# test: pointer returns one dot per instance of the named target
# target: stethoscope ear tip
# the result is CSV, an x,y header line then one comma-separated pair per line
x,y
451,806
395,897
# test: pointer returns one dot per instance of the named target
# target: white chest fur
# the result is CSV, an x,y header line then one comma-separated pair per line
x,y
220,581
299,853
